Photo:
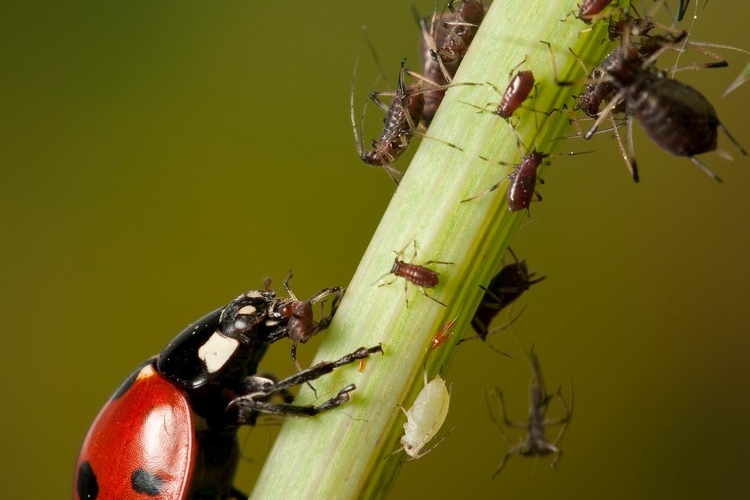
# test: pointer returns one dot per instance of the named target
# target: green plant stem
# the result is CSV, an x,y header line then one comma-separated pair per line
x,y
346,452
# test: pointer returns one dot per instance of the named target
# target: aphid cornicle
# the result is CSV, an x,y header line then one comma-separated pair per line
x,y
425,417
535,444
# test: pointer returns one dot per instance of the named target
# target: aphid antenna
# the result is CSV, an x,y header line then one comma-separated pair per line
x,y
382,75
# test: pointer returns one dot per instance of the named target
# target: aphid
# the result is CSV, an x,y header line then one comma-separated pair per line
x,y
515,94
425,417
591,10
299,315
422,277
460,31
674,115
402,117
432,69
441,337
535,443
504,289
522,180
445,40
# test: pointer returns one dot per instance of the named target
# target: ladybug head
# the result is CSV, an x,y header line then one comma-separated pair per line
x,y
245,313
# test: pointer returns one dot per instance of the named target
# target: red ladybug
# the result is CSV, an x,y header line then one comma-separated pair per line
x,y
170,430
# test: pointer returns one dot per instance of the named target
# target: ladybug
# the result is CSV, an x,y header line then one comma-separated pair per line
x,y
170,430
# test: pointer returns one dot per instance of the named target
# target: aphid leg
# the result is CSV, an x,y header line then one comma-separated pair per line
x,y
422,290
514,450
563,421
627,156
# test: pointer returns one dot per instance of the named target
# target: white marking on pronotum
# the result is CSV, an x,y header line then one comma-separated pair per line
x,y
425,417
216,351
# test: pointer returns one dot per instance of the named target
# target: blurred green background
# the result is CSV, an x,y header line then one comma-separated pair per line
x,y
160,158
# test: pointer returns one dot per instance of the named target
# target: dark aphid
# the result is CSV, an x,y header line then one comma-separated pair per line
x,y
535,444
402,117
504,289
591,10
677,117
419,275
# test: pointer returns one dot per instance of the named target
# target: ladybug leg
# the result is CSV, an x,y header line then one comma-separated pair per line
x,y
244,409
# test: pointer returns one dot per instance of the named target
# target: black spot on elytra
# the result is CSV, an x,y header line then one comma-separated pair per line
x,y
144,482
87,486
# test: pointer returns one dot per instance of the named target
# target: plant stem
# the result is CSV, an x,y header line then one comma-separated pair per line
x,y
345,453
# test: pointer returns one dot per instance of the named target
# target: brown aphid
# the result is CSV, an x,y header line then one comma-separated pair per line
x,y
516,94
504,289
523,181
402,117
299,315
418,274
445,39
433,32
591,10
460,31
